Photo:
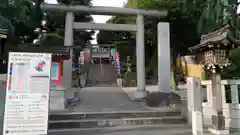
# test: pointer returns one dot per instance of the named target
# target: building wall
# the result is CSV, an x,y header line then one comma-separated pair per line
x,y
195,70
190,67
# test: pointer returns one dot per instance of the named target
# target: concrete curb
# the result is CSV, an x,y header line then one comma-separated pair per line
x,y
125,128
110,115
96,123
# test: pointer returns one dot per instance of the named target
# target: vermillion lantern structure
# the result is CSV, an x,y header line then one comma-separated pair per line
x,y
214,53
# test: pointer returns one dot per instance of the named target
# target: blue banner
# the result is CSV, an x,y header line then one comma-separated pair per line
x,y
118,67
79,68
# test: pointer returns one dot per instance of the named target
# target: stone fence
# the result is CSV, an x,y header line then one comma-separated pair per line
x,y
230,101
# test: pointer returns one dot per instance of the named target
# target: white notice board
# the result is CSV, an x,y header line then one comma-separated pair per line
x,y
27,94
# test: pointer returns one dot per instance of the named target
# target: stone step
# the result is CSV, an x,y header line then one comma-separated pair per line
x,y
109,115
120,129
96,123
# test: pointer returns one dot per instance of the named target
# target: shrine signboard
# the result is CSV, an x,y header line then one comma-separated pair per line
x,y
27,94
100,50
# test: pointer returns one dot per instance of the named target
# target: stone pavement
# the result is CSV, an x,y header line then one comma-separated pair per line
x,y
106,99
144,130
151,130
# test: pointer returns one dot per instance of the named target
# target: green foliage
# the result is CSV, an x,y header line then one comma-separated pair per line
x,y
52,39
183,29
188,19
234,70
24,16
6,24
56,21
17,15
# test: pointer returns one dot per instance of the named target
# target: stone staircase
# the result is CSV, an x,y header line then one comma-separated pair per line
x,y
105,120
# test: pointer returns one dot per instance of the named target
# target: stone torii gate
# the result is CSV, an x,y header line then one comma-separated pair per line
x,y
163,39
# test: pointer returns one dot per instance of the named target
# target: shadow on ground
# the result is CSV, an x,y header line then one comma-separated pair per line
x,y
106,99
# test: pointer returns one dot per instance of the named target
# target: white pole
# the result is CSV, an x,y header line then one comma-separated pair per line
x,y
195,115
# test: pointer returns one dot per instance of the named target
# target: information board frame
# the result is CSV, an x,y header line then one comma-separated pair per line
x,y
27,105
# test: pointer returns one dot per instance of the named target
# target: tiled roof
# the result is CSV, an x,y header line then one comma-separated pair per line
x,y
222,37
58,51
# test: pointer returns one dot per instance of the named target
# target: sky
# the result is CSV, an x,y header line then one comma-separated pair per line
x,y
100,18
238,8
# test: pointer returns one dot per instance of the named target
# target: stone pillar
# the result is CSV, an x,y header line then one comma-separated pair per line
x,y
218,120
140,51
68,41
164,72
195,116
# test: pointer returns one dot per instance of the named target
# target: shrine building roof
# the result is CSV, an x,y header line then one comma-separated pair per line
x,y
56,50
221,38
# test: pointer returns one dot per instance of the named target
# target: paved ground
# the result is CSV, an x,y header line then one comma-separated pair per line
x,y
157,130
106,99
131,131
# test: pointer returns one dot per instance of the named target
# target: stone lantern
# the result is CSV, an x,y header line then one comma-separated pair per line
x,y
3,33
3,56
3,39
213,52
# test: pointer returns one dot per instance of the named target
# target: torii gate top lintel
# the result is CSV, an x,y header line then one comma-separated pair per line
x,y
70,25
104,10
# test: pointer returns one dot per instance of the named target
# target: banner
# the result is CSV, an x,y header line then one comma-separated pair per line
x,y
86,54
113,50
81,58
79,68
117,60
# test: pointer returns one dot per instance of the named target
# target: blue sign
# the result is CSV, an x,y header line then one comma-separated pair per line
x,y
118,68
118,65
79,68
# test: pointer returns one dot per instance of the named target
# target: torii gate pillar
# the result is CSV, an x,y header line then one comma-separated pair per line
x,y
68,41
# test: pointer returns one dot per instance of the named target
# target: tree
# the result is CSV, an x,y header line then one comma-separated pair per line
x,y
188,19
19,13
56,21
124,41
183,19
26,15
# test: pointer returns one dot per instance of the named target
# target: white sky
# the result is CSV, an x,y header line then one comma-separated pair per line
x,y
238,8
100,18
